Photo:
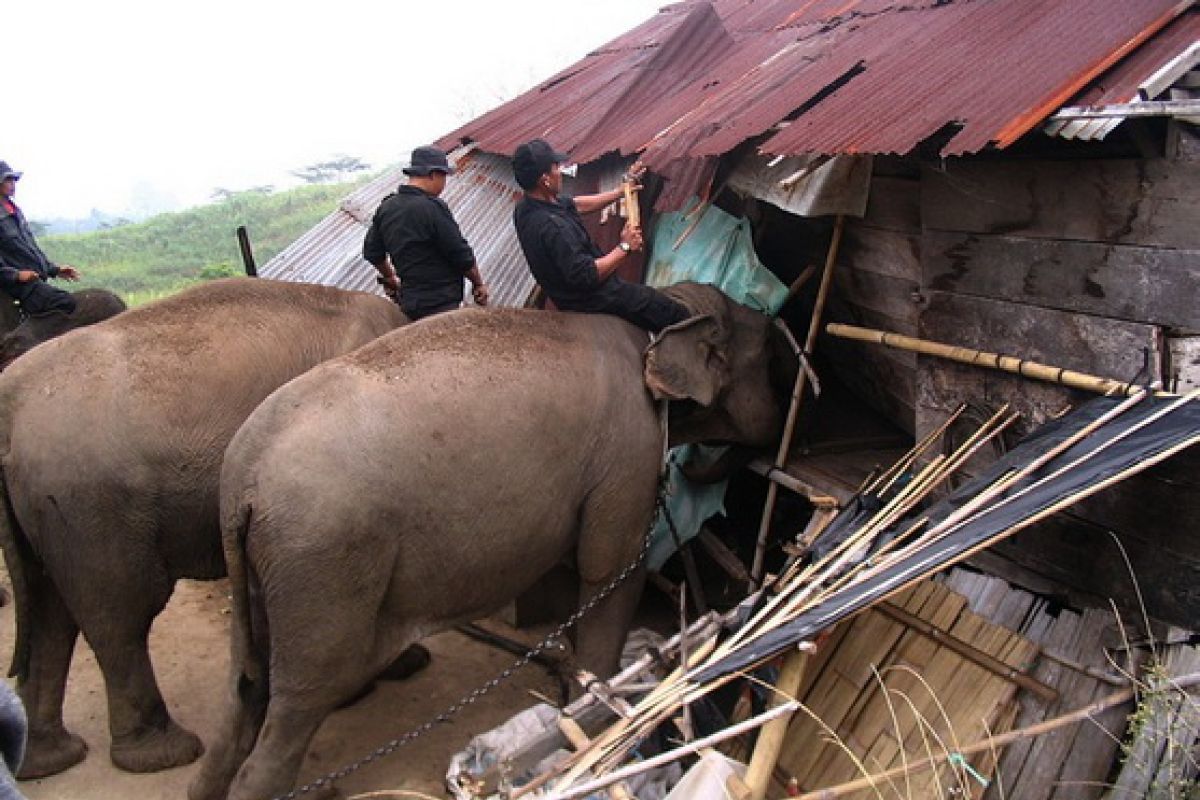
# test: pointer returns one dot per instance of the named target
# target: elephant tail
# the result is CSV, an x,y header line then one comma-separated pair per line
x,y
20,558
236,527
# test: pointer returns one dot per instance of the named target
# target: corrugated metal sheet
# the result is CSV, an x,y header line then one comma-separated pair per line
x,y
1143,76
848,76
481,195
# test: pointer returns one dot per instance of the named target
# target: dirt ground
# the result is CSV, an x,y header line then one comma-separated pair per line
x,y
189,646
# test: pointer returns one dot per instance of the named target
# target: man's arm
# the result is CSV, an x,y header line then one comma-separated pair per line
x,y
454,248
587,203
578,267
377,256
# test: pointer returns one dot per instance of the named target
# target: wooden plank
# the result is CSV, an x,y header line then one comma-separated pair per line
x,y
1058,633
883,294
1128,201
1082,557
1143,284
893,254
1096,742
1184,365
894,203
1094,345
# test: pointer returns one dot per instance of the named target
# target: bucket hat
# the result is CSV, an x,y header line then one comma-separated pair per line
x,y
426,160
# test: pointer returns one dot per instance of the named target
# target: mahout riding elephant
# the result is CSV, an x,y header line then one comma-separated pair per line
x,y
435,474
111,439
91,306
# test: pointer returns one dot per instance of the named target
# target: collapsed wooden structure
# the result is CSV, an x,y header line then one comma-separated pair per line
x,y
926,170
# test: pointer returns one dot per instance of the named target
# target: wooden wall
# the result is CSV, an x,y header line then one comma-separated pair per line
x,y
1088,264
877,278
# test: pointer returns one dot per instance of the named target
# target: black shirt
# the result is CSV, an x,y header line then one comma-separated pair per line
x,y
562,257
561,254
426,245
18,251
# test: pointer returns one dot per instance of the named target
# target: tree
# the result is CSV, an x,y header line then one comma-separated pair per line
x,y
337,169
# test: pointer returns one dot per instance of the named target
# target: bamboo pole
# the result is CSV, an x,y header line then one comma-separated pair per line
x,y
584,789
994,742
980,358
771,738
633,212
785,441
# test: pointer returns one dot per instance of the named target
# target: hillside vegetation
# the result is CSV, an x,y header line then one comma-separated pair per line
x,y
158,257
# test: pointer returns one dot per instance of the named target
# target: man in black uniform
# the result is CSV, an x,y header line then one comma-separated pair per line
x,y
417,246
24,268
572,270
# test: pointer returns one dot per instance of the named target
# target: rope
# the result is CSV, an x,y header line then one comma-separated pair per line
x,y
537,650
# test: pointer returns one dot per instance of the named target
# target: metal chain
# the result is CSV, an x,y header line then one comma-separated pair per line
x,y
538,649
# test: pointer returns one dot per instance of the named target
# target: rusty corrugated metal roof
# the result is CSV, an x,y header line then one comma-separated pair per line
x,y
1144,75
481,195
823,76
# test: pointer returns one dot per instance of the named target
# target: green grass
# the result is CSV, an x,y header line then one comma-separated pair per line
x,y
164,254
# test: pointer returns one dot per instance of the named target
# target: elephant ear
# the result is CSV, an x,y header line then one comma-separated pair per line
x,y
687,361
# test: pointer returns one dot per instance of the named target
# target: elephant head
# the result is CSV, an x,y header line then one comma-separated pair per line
x,y
91,306
727,371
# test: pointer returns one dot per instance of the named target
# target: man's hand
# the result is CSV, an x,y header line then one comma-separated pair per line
x,y
67,272
633,235
26,275
479,292
635,172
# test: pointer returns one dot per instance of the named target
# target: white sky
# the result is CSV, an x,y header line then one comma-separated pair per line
x,y
126,106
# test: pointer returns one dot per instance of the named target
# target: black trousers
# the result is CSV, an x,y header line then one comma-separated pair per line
x,y
644,306
42,298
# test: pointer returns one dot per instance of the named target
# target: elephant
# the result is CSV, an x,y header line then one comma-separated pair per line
x,y
91,306
435,474
111,439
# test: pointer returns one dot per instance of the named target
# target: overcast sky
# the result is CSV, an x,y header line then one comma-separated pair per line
x,y
126,106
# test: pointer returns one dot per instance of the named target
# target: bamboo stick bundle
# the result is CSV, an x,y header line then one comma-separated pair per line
x,y
676,691
808,587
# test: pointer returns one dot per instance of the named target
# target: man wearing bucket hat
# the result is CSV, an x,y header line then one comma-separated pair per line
x,y
416,245
24,268
567,264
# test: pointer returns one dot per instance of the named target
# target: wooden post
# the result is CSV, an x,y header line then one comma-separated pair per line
x,y
243,238
785,443
770,740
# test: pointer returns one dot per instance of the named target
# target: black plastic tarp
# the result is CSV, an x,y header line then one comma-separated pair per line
x,y
1136,438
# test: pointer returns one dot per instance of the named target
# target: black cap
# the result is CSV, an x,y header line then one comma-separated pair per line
x,y
426,160
534,159
7,172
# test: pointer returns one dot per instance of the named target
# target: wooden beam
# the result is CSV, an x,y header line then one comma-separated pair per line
x,y
968,651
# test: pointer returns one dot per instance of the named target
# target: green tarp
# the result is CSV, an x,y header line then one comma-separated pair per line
x,y
716,249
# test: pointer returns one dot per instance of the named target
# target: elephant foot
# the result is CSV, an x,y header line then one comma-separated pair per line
x,y
50,755
407,664
156,750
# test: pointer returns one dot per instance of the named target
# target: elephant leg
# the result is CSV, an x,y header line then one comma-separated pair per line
x,y
50,748
611,535
144,737
239,731
602,631
272,767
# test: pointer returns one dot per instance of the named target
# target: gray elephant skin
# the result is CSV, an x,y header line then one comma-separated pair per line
x,y
435,474
91,306
111,439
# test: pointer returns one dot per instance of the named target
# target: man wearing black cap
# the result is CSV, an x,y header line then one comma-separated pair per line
x,y
24,268
567,264
417,246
